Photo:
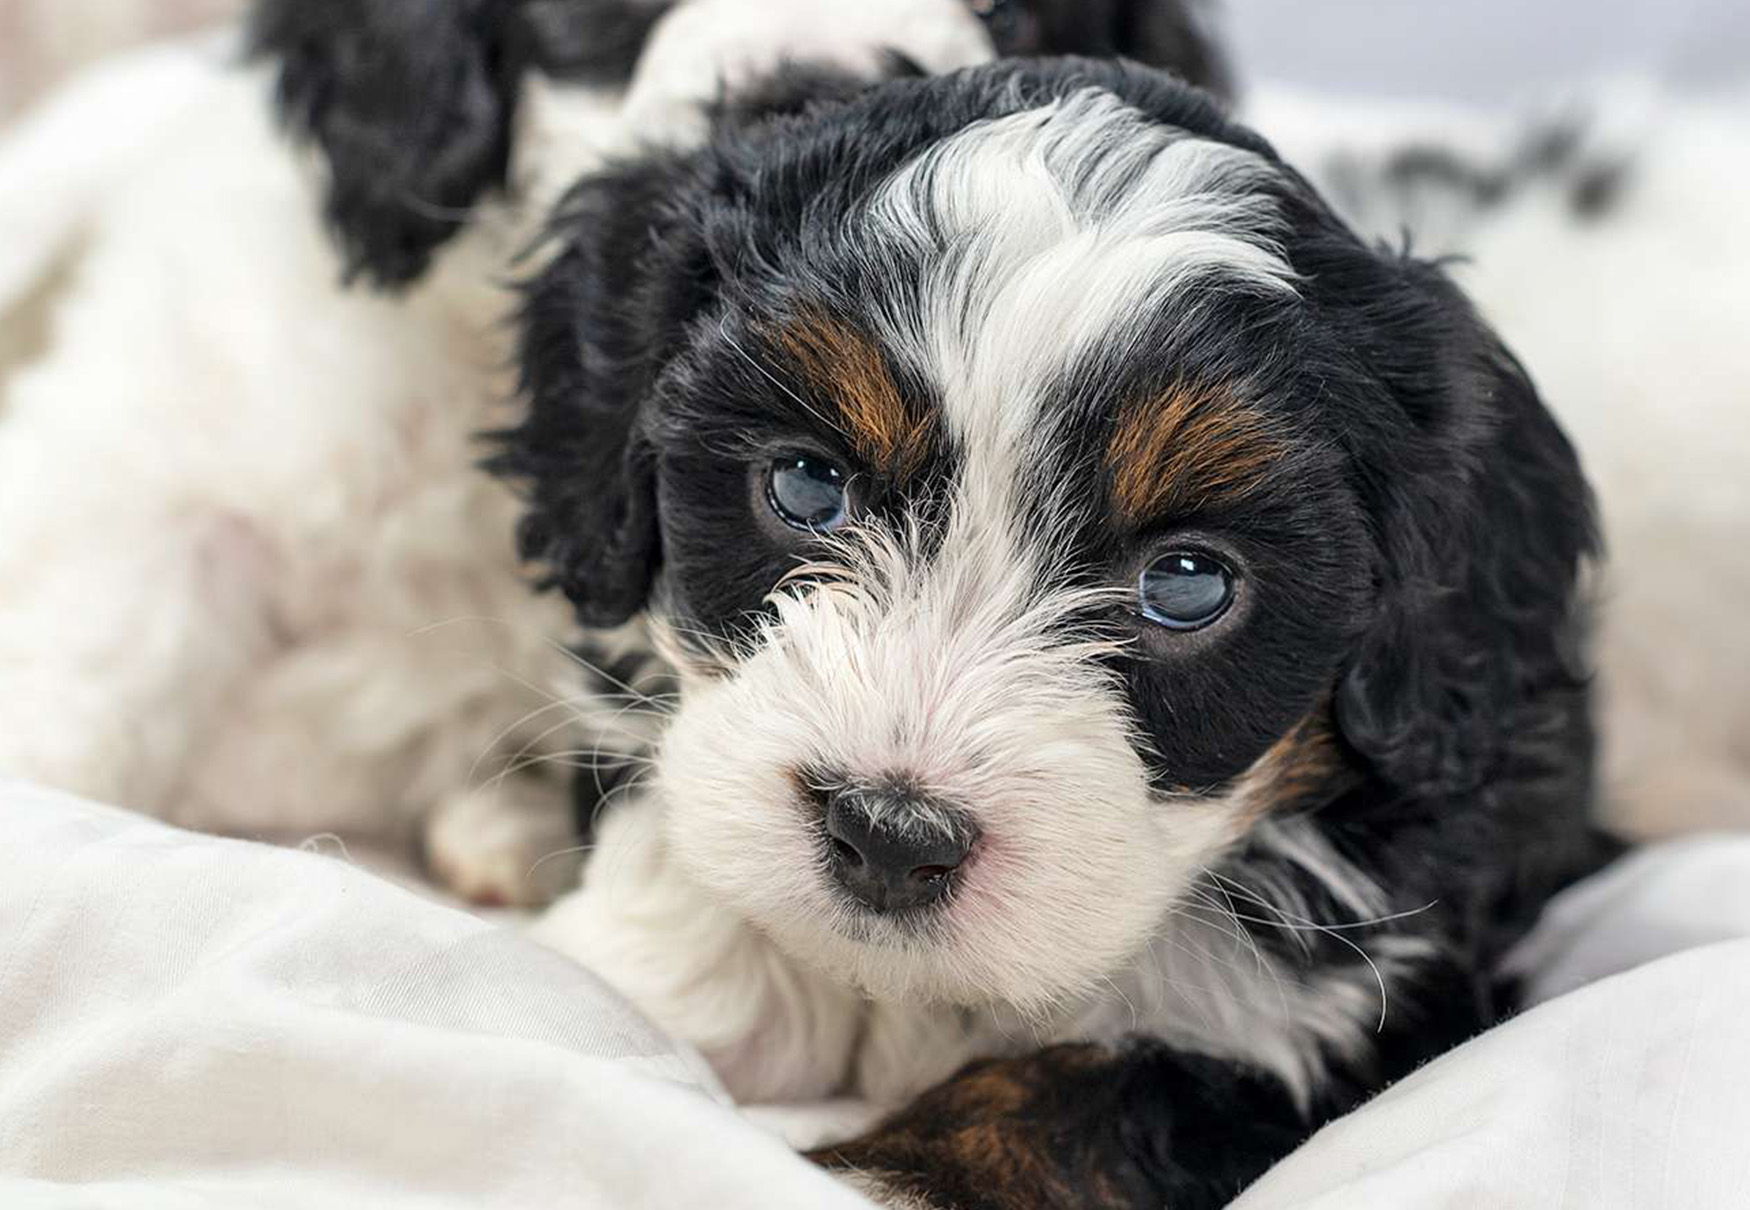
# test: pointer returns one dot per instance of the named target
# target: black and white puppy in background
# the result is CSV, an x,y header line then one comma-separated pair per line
x,y
419,99
250,576
1113,605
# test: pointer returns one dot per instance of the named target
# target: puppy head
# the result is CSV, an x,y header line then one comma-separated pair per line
x,y
1039,489
412,104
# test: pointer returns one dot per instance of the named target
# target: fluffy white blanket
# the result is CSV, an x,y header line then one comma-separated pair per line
x,y
194,1022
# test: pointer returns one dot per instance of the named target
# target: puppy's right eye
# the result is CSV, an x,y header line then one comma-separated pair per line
x,y
1185,590
807,493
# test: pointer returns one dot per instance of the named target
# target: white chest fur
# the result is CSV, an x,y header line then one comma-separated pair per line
x,y
778,1031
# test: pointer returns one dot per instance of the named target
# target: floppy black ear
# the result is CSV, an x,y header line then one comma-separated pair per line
x,y
412,103
598,325
632,269
1472,673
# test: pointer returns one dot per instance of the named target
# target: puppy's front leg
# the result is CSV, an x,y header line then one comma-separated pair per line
x,y
1078,1127
771,1028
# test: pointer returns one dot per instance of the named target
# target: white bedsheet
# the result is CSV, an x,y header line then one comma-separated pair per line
x,y
191,1022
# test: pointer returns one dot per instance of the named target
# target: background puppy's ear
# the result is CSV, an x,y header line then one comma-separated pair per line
x,y
598,324
1472,676
412,103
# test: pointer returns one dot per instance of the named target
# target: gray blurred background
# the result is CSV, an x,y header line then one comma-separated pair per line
x,y
1486,50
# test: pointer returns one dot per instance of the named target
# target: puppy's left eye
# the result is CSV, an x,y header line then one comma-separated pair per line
x,y
1185,591
807,493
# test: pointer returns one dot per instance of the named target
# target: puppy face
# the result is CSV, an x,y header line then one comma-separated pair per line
x,y
1056,561
1004,460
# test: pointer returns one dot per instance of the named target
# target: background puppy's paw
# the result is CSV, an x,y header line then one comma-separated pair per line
x,y
511,843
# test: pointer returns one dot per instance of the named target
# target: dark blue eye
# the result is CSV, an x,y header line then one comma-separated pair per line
x,y
1185,591
807,493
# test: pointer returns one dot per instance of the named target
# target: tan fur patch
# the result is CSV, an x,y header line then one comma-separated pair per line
x,y
1185,448
1002,1127
1302,768
846,368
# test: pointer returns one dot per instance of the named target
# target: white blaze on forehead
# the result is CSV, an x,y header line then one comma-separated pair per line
x,y
1057,231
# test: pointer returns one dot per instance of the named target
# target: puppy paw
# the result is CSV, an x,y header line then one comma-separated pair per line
x,y
1079,1127
509,844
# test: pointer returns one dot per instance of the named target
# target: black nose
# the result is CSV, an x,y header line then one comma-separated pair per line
x,y
893,849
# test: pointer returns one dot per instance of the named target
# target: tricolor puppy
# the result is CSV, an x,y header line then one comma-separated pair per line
x,y
1111,601
251,578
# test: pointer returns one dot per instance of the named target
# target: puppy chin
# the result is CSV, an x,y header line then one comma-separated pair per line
x,y
1076,863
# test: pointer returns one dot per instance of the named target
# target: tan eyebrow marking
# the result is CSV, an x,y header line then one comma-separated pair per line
x,y
1186,447
847,368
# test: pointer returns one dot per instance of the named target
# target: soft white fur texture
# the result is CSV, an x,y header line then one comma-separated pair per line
x,y
1044,232
250,579
779,1029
